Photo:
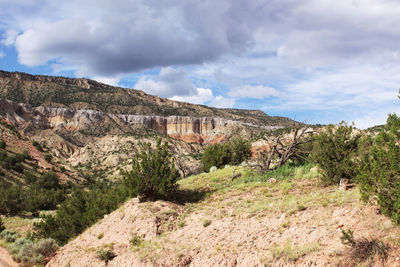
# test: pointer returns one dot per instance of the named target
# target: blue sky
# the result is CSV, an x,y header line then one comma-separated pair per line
x,y
311,60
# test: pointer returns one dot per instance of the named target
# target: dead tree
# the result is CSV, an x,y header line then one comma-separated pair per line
x,y
285,149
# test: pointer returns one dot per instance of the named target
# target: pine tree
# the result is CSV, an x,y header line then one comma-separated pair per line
x,y
153,173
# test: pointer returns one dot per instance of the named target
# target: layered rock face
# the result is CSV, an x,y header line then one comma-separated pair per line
x,y
193,129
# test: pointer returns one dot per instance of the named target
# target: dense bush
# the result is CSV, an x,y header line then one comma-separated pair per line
x,y
153,173
81,210
218,155
11,200
9,236
45,193
29,177
240,150
105,254
380,173
48,157
2,144
2,227
335,153
29,253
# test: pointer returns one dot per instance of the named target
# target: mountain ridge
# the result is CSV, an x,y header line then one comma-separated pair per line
x,y
83,93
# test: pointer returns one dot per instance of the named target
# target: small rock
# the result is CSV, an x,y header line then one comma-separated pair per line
x,y
387,224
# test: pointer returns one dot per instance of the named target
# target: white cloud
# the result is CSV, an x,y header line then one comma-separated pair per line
x,y
168,83
222,102
108,80
203,96
9,37
253,91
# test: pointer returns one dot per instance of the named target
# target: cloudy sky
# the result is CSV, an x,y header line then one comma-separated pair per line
x,y
317,61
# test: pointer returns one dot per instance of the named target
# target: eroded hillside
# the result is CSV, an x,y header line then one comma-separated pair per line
x,y
280,219
96,126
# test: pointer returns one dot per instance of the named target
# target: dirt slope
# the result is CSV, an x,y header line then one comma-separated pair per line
x,y
6,259
245,222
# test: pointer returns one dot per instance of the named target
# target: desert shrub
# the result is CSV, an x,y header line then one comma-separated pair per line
x,y
240,150
18,167
11,199
9,236
29,253
136,240
46,247
363,249
48,157
81,210
48,180
153,173
2,227
37,145
216,155
335,153
105,254
213,169
2,144
380,174
25,154
43,199
29,177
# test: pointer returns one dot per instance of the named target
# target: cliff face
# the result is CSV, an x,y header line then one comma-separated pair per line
x,y
195,129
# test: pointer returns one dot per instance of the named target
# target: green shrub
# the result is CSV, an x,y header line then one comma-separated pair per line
x,y
2,144
216,155
11,200
105,254
80,210
37,145
46,247
380,173
136,240
29,177
48,157
9,236
18,167
29,253
335,153
2,227
153,173
240,150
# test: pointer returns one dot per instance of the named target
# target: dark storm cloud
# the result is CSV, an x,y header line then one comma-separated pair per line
x,y
128,36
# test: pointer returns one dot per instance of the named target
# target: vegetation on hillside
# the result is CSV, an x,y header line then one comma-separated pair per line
x,y
234,152
153,173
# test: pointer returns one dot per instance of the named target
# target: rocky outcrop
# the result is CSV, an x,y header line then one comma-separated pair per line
x,y
190,129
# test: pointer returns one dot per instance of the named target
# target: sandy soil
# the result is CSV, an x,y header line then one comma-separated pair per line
x,y
6,259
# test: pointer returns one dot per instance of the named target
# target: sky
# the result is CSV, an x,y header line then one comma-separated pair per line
x,y
315,61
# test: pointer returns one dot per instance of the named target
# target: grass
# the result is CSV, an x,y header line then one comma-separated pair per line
x,y
291,253
297,188
252,194
18,223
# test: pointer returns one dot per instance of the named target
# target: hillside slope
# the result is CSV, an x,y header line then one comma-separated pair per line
x,y
37,90
78,119
251,221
